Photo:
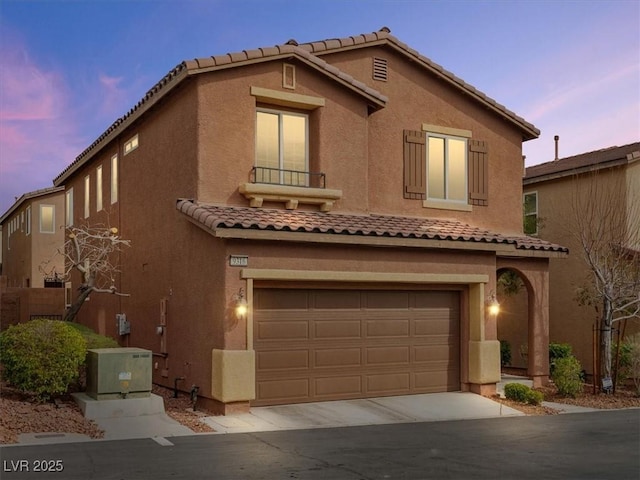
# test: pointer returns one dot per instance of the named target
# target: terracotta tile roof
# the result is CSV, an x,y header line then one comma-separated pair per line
x,y
607,157
307,52
214,217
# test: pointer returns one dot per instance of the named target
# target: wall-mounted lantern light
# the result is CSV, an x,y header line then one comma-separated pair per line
x,y
241,305
493,305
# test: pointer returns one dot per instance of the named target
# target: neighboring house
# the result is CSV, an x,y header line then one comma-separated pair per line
x,y
355,199
550,190
32,232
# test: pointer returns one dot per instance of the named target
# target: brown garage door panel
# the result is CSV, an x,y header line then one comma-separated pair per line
x,y
338,329
338,387
283,391
388,384
354,344
337,357
282,360
387,355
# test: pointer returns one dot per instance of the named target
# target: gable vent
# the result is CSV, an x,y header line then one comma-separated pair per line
x,y
380,69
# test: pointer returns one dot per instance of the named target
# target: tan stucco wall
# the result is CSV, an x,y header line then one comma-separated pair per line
x,y
570,322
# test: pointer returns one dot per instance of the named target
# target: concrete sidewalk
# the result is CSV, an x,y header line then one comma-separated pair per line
x,y
146,418
430,407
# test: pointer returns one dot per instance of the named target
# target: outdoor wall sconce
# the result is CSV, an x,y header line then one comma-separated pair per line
x,y
241,305
160,329
492,304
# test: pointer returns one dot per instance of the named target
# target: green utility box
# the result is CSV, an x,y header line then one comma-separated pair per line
x,y
116,373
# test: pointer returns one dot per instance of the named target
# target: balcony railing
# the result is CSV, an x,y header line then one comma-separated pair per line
x,y
295,178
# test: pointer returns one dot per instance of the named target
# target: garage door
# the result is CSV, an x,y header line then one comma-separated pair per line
x,y
318,345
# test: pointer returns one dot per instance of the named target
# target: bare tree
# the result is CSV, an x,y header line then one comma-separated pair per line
x,y
91,251
606,212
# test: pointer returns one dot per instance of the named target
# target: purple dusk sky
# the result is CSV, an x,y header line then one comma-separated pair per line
x,y
69,69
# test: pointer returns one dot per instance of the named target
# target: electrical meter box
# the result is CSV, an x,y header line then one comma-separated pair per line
x,y
116,373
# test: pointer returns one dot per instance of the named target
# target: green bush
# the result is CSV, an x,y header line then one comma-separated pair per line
x,y
516,391
41,356
566,376
556,351
534,397
505,353
93,339
522,393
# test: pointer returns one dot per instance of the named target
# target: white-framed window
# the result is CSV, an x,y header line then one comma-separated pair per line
x,y
87,198
114,178
530,208
47,218
447,168
282,147
99,188
27,225
69,207
131,144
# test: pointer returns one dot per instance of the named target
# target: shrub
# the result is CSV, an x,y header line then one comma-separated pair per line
x,y
505,353
522,393
534,397
93,339
556,351
41,356
566,376
633,344
516,391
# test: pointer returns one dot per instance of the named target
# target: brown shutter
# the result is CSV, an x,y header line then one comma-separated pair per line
x,y
415,164
478,173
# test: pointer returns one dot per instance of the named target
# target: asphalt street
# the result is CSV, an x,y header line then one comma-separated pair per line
x,y
599,445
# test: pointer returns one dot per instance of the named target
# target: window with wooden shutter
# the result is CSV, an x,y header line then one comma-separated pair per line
x,y
415,167
478,159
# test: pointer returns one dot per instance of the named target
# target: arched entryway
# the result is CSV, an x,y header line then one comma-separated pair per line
x,y
526,315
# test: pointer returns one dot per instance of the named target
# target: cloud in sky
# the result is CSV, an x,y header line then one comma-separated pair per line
x,y
36,139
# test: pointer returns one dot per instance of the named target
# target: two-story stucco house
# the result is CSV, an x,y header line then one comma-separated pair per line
x,y
353,197
32,232
610,176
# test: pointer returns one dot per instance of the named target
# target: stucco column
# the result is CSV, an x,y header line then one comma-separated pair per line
x,y
484,355
538,365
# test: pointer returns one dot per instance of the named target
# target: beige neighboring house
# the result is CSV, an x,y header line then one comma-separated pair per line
x,y
32,232
549,192
352,196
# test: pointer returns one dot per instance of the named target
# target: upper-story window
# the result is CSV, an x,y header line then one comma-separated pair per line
x,y
114,179
28,220
530,223
282,147
47,219
87,193
69,207
447,168
99,188
131,144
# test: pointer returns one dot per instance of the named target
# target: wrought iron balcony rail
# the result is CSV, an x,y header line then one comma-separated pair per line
x,y
279,176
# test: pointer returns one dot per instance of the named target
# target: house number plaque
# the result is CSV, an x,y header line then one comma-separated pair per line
x,y
238,260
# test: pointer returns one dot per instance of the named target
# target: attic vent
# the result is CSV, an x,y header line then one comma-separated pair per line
x,y
380,69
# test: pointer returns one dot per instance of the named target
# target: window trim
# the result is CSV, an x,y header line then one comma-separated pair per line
x,y
53,218
442,202
28,220
87,199
114,178
280,114
69,207
99,188
535,213
130,145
